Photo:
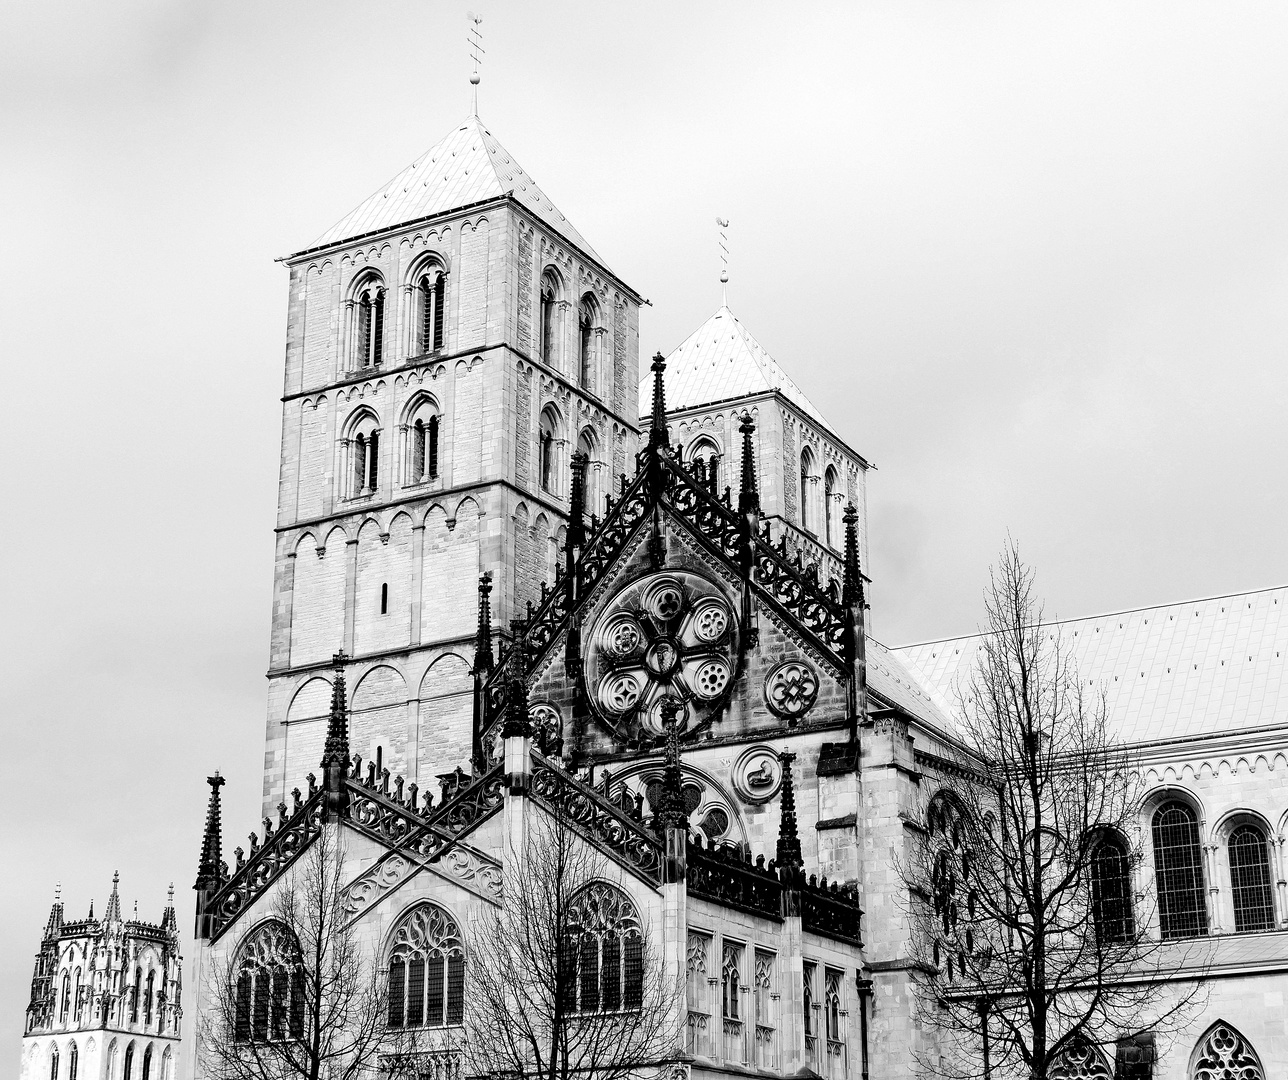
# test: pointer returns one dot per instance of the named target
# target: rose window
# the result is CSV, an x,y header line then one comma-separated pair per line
x,y
667,635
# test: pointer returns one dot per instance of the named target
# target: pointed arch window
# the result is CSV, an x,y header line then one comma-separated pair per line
x,y
1178,870
1223,1052
587,334
426,971
704,463
53,1063
952,884
77,996
148,998
602,957
66,1003
73,1061
127,1070
369,324
269,987
549,316
1111,891
136,995
588,445
147,1063
1250,886
431,296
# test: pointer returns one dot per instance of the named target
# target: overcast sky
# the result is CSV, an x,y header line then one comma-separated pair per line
x,y
1030,260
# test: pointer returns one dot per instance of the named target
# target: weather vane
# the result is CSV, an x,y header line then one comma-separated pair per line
x,y
724,260
475,41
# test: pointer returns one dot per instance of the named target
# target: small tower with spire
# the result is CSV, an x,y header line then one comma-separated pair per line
x,y
100,987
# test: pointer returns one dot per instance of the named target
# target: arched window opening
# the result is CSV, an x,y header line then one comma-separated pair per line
x,y
147,999
370,325
602,956
384,598
431,291
364,459
807,469
380,760
1178,871
128,1070
66,1003
587,445
269,987
549,316
1250,887
830,500
73,1061
1080,1060
77,997
135,995
952,888
426,971
704,463
147,1063
1111,891
53,1063
586,338
548,443
422,445
1223,1052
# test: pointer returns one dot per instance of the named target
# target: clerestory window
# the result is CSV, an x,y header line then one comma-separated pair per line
x,y
1111,907
549,317
1178,870
1250,885
587,335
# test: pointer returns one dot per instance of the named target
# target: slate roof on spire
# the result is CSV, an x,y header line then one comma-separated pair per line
x,y
466,167
720,360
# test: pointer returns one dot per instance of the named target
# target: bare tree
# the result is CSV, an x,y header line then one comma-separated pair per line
x,y
298,998
564,978
1023,902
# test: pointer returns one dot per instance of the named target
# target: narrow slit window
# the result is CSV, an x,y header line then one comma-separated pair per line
x,y
384,598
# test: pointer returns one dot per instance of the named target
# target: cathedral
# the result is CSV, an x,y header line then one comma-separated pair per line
x,y
522,576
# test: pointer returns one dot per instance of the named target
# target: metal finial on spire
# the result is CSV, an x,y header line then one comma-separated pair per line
x,y
58,892
475,41
723,224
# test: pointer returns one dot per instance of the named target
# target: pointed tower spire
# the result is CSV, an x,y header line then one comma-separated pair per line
x,y
335,754
789,842
748,496
56,912
657,439
854,638
169,923
483,664
113,912
208,869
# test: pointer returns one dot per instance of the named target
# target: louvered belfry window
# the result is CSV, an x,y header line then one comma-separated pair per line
x,y
1178,869
1111,891
1250,887
432,290
426,971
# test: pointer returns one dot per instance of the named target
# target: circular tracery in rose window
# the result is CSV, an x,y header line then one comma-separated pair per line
x,y
672,634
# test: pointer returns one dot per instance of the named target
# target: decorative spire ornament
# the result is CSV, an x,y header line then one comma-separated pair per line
x,y
657,439
723,224
474,38
748,496
789,841
208,873
335,754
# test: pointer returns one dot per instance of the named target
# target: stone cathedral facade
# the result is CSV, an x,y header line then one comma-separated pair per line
x,y
515,580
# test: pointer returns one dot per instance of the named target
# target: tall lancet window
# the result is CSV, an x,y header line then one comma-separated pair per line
x,y
586,338
1178,870
549,440
431,292
1250,888
807,470
421,442
830,508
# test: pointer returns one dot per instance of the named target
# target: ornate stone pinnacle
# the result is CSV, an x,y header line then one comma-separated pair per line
x,y
657,424
336,750
748,496
789,842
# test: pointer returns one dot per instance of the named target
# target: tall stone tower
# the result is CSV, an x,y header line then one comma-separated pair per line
x,y
105,997
450,344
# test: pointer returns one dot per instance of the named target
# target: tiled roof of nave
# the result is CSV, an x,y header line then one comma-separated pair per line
x,y
721,360
465,167
1180,670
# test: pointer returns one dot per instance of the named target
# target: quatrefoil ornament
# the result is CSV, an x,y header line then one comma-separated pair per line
x,y
790,689
672,634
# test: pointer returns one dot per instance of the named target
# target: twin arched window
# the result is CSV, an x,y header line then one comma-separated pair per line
x,y
426,970
422,436
269,987
430,294
602,955
363,445
548,442
704,463
368,324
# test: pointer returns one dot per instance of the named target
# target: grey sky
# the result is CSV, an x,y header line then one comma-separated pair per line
x,y
1031,260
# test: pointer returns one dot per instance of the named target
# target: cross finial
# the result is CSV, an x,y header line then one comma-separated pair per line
x,y
475,41
723,224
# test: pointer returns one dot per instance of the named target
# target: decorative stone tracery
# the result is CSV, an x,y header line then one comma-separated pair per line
x,y
1224,1054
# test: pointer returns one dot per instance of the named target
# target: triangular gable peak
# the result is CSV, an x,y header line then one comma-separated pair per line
x,y
665,493
465,168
